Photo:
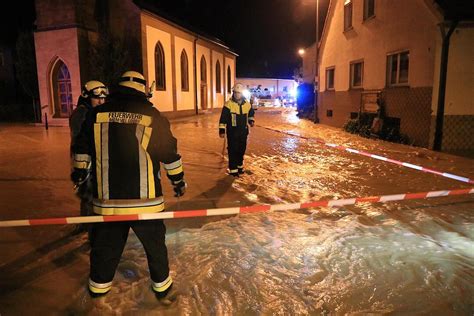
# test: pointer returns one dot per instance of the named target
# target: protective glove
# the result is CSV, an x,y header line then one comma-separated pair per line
x,y
179,188
79,176
221,132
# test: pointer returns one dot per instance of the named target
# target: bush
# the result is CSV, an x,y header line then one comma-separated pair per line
x,y
352,126
362,126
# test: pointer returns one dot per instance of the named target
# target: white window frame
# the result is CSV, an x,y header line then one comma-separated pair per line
x,y
366,11
351,74
389,69
333,68
348,3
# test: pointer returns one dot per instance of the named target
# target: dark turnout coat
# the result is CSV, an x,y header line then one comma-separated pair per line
x,y
125,140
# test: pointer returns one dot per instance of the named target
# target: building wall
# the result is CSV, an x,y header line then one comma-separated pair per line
x,y
51,46
54,13
68,37
229,64
163,100
309,64
459,100
185,99
390,31
203,51
218,98
174,39
460,77
412,106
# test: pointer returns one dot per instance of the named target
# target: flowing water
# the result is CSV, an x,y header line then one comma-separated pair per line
x,y
410,257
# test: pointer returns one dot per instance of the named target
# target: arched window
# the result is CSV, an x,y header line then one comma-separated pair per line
x,y
218,77
184,71
229,80
160,73
203,70
62,92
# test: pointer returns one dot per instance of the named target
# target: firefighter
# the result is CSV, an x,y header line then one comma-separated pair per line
x,y
93,94
236,115
126,139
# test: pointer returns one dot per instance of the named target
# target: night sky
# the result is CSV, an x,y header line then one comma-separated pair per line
x,y
265,33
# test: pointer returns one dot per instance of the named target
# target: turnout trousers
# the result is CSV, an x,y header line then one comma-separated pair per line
x,y
107,243
236,146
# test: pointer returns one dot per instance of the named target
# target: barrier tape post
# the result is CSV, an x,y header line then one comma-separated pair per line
x,y
235,210
378,157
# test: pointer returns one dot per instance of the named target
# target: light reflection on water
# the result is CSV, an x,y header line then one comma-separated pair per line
x,y
409,257
284,263
412,257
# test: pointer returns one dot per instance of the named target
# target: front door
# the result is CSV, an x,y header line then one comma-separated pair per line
x,y
203,96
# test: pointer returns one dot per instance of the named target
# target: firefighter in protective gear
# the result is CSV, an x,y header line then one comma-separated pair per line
x,y
237,114
126,139
93,94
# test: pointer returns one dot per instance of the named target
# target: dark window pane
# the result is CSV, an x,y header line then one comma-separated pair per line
x,y
66,72
347,16
393,69
61,73
369,8
203,69
184,71
404,64
330,79
356,72
160,67
229,80
218,77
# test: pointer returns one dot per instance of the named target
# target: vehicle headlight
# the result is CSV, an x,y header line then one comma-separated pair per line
x,y
247,94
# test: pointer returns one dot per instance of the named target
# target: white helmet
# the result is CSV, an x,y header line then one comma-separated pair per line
x,y
134,80
94,89
238,88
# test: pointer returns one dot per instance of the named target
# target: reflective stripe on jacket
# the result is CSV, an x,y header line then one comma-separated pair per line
x,y
236,116
127,139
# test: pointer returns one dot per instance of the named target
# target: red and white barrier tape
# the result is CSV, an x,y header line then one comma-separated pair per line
x,y
378,157
234,210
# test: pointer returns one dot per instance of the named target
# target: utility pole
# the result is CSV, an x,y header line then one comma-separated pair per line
x,y
438,139
316,90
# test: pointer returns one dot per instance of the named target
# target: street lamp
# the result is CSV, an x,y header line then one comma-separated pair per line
x,y
301,52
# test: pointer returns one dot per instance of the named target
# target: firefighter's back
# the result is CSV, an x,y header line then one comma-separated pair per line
x,y
126,172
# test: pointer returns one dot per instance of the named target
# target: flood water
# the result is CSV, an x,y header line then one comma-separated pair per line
x,y
410,257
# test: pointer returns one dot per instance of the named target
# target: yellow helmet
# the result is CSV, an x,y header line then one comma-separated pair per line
x,y
94,89
134,80
238,88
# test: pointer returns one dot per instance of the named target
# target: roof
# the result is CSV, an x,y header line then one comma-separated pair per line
x,y
461,10
152,8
